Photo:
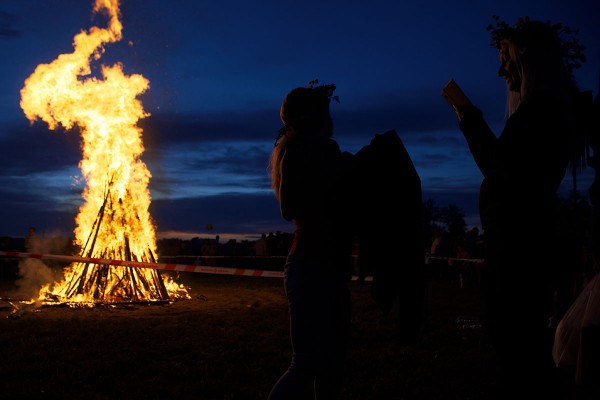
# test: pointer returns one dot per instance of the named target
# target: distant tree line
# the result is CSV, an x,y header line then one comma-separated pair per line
x,y
574,219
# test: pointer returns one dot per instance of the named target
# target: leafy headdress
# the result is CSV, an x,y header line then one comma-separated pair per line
x,y
561,40
527,32
306,107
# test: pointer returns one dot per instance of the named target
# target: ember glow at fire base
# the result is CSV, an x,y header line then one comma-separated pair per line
x,y
114,222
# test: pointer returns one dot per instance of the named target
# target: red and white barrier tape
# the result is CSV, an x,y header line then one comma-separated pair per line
x,y
472,260
137,264
176,267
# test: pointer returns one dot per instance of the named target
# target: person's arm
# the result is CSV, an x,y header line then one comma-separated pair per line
x,y
479,136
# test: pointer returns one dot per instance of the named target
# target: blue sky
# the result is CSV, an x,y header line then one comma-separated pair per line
x,y
218,72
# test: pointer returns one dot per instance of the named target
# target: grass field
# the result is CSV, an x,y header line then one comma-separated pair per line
x,y
230,341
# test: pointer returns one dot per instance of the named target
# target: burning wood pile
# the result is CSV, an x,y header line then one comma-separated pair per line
x,y
114,221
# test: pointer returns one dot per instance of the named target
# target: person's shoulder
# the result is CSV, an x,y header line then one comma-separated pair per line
x,y
293,151
543,106
326,146
331,144
542,99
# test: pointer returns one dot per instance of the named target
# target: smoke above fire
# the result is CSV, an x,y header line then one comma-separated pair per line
x,y
114,221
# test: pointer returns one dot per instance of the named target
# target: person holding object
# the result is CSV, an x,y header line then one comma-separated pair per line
x,y
310,177
522,169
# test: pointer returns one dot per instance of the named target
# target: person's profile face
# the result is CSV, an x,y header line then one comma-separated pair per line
x,y
508,68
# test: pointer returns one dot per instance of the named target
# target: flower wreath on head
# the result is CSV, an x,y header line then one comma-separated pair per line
x,y
323,91
558,35
327,88
564,40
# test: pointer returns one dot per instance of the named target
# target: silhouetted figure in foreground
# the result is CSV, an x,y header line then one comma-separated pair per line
x,y
522,169
310,178
390,235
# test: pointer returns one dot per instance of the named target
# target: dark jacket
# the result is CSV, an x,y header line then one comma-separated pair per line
x,y
523,167
390,218
315,194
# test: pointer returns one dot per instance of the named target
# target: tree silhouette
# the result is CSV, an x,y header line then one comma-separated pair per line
x,y
449,218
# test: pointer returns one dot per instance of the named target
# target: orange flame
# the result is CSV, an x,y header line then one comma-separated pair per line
x,y
114,221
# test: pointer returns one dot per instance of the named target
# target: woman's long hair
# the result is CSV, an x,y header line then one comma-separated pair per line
x,y
539,53
542,69
546,53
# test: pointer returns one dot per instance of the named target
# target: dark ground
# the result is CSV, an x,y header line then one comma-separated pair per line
x,y
230,341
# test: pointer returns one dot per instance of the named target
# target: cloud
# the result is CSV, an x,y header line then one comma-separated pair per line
x,y
25,149
212,167
7,31
228,213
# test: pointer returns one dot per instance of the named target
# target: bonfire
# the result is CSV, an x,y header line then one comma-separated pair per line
x,y
114,221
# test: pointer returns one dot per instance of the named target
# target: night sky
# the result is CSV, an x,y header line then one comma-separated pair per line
x,y
218,72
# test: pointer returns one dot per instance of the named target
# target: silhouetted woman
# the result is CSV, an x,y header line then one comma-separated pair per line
x,y
522,169
310,178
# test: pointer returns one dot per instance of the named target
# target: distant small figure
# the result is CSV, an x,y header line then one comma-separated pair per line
x,y
437,262
31,241
209,251
436,242
260,246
